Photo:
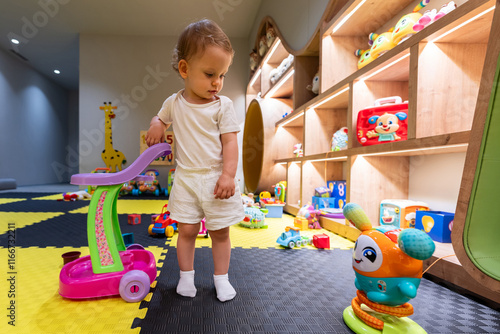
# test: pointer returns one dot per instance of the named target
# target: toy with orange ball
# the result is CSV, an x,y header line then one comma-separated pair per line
x,y
388,266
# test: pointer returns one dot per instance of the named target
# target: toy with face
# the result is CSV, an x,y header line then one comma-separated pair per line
x,y
270,36
262,46
365,57
386,126
404,28
149,185
387,262
381,43
254,60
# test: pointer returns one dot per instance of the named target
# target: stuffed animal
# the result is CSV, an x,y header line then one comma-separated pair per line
x,y
431,16
270,36
274,75
314,86
262,46
254,60
339,140
404,28
297,150
77,195
381,43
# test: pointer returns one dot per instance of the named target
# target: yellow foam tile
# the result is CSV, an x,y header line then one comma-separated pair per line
x,y
130,206
11,200
40,309
16,220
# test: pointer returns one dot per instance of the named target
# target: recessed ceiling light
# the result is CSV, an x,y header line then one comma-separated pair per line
x,y
57,71
14,41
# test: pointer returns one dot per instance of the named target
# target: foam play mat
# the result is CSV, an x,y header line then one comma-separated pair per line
x,y
301,290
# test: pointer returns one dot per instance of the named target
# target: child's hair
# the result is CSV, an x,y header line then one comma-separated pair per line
x,y
196,37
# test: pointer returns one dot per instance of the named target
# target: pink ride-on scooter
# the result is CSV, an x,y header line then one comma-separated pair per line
x,y
111,269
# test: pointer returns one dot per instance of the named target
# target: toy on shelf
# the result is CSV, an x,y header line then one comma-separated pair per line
x,y
278,72
384,122
381,43
270,36
314,86
111,268
111,157
433,15
254,218
262,46
388,268
365,57
297,150
404,28
91,189
254,60
150,187
163,224
397,212
290,238
339,140
308,212
437,224
76,195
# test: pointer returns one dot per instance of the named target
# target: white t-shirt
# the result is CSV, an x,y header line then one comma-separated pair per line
x,y
197,128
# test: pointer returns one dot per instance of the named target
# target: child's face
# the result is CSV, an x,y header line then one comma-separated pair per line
x,y
204,74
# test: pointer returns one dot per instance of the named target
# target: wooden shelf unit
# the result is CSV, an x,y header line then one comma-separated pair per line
x,y
438,71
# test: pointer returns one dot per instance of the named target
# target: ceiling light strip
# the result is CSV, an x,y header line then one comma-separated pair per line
x,y
299,114
347,17
279,84
330,98
386,67
426,149
255,77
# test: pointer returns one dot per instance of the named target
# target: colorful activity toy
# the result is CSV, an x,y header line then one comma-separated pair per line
x,y
400,213
111,268
404,28
437,224
388,267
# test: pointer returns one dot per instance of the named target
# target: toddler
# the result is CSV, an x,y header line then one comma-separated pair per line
x,y
205,128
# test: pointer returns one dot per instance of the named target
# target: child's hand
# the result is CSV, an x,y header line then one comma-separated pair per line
x,y
224,188
156,132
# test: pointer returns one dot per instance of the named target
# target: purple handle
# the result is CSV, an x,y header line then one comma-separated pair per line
x,y
107,179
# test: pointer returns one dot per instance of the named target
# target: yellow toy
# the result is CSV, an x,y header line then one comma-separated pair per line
x,y
404,28
365,56
111,157
381,43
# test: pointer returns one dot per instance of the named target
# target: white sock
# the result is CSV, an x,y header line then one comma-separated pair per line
x,y
225,290
186,287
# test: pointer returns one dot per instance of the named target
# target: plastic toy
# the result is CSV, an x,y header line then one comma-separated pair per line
x,y
365,57
111,268
432,16
134,219
77,195
171,175
395,212
270,36
336,213
290,238
381,43
404,28
309,213
128,187
388,268
339,140
322,192
91,189
301,223
150,187
163,224
314,86
128,239
321,240
384,122
297,150
280,191
254,218
111,157
437,224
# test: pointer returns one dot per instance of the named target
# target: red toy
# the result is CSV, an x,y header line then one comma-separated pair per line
x,y
134,219
385,122
321,241
163,224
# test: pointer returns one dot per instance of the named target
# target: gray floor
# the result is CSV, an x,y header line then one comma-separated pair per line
x,y
45,188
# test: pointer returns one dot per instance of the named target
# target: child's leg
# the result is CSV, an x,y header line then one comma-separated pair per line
x,y
221,252
185,256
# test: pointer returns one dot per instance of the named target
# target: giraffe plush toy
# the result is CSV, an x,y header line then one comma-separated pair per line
x,y
112,158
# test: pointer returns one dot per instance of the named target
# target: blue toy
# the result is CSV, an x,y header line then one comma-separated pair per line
x,y
290,238
388,267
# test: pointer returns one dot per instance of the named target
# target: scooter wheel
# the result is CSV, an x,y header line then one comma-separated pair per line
x,y
134,286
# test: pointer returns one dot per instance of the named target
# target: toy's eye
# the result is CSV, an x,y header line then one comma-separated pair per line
x,y
380,123
390,122
396,210
370,254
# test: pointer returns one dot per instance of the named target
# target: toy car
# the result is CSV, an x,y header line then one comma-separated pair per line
x,y
152,187
290,238
163,224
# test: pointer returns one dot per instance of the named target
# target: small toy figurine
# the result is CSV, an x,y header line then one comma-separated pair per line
x,y
404,28
254,60
113,158
386,126
270,36
77,195
297,150
365,57
308,212
432,16
339,140
262,46
381,43
388,267
314,87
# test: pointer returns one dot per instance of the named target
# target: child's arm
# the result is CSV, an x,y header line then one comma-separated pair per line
x,y
156,132
225,187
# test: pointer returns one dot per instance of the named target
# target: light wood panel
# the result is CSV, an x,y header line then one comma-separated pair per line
x,y
321,124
